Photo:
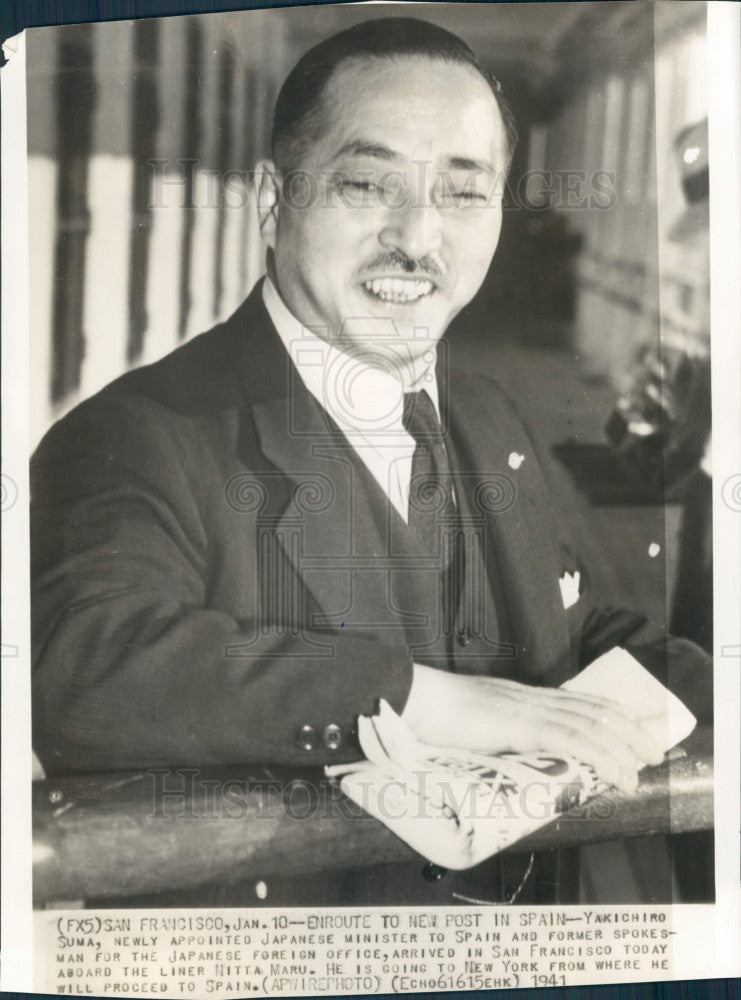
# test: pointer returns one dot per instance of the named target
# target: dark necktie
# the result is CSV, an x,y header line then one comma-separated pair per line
x,y
430,490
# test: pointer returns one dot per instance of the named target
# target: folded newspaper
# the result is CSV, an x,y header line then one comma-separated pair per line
x,y
457,808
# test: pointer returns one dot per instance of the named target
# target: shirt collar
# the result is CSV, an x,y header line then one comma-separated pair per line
x,y
364,400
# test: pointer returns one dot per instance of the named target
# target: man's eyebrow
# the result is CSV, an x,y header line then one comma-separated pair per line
x,y
362,147
463,163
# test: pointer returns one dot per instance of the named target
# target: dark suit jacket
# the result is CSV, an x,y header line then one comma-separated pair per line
x,y
203,566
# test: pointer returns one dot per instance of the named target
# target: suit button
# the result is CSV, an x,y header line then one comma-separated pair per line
x,y
332,736
433,873
464,637
306,738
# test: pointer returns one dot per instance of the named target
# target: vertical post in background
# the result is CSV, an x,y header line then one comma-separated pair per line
x,y
43,178
252,254
612,160
74,110
167,192
669,87
236,195
639,211
223,161
144,123
681,101
206,185
590,305
191,139
111,173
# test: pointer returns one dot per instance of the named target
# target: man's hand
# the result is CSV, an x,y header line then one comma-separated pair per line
x,y
492,715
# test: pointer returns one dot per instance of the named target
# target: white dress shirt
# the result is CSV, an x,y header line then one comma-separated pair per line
x,y
364,400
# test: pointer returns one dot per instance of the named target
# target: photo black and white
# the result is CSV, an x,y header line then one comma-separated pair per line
x,y
371,498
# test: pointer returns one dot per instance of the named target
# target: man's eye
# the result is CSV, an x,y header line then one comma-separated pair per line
x,y
355,188
468,199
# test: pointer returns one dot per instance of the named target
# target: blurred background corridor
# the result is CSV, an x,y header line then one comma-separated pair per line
x,y
141,136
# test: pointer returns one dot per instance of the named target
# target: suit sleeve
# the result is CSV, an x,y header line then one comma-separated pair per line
x,y
131,663
596,627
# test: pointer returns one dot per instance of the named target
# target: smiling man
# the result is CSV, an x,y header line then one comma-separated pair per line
x,y
241,548
394,207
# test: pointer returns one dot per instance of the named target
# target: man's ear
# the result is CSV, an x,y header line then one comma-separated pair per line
x,y
268,198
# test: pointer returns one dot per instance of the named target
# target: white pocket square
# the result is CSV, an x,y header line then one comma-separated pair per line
x,y
569,584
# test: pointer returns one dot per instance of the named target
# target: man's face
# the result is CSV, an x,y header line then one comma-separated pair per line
x,y
388,225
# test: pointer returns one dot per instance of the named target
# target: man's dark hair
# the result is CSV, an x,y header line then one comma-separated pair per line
x,y
299,106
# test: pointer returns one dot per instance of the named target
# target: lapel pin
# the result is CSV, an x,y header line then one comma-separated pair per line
x,y
515,460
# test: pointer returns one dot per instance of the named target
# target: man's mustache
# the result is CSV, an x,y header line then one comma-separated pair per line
x,y
426,266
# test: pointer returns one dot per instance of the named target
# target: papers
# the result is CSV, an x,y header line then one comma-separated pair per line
x,y
619,676
457,808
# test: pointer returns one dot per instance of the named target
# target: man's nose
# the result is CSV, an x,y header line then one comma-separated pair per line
x,y
413,229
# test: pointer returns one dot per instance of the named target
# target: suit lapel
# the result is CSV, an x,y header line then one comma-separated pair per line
x,y
313,504
514,499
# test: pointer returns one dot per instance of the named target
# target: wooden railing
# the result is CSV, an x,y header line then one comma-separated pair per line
x,y
122,834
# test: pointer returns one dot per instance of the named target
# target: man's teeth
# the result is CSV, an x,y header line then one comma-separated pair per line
x,y
398,289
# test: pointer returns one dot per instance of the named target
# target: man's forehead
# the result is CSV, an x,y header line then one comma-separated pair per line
x,y
419,93
388,74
